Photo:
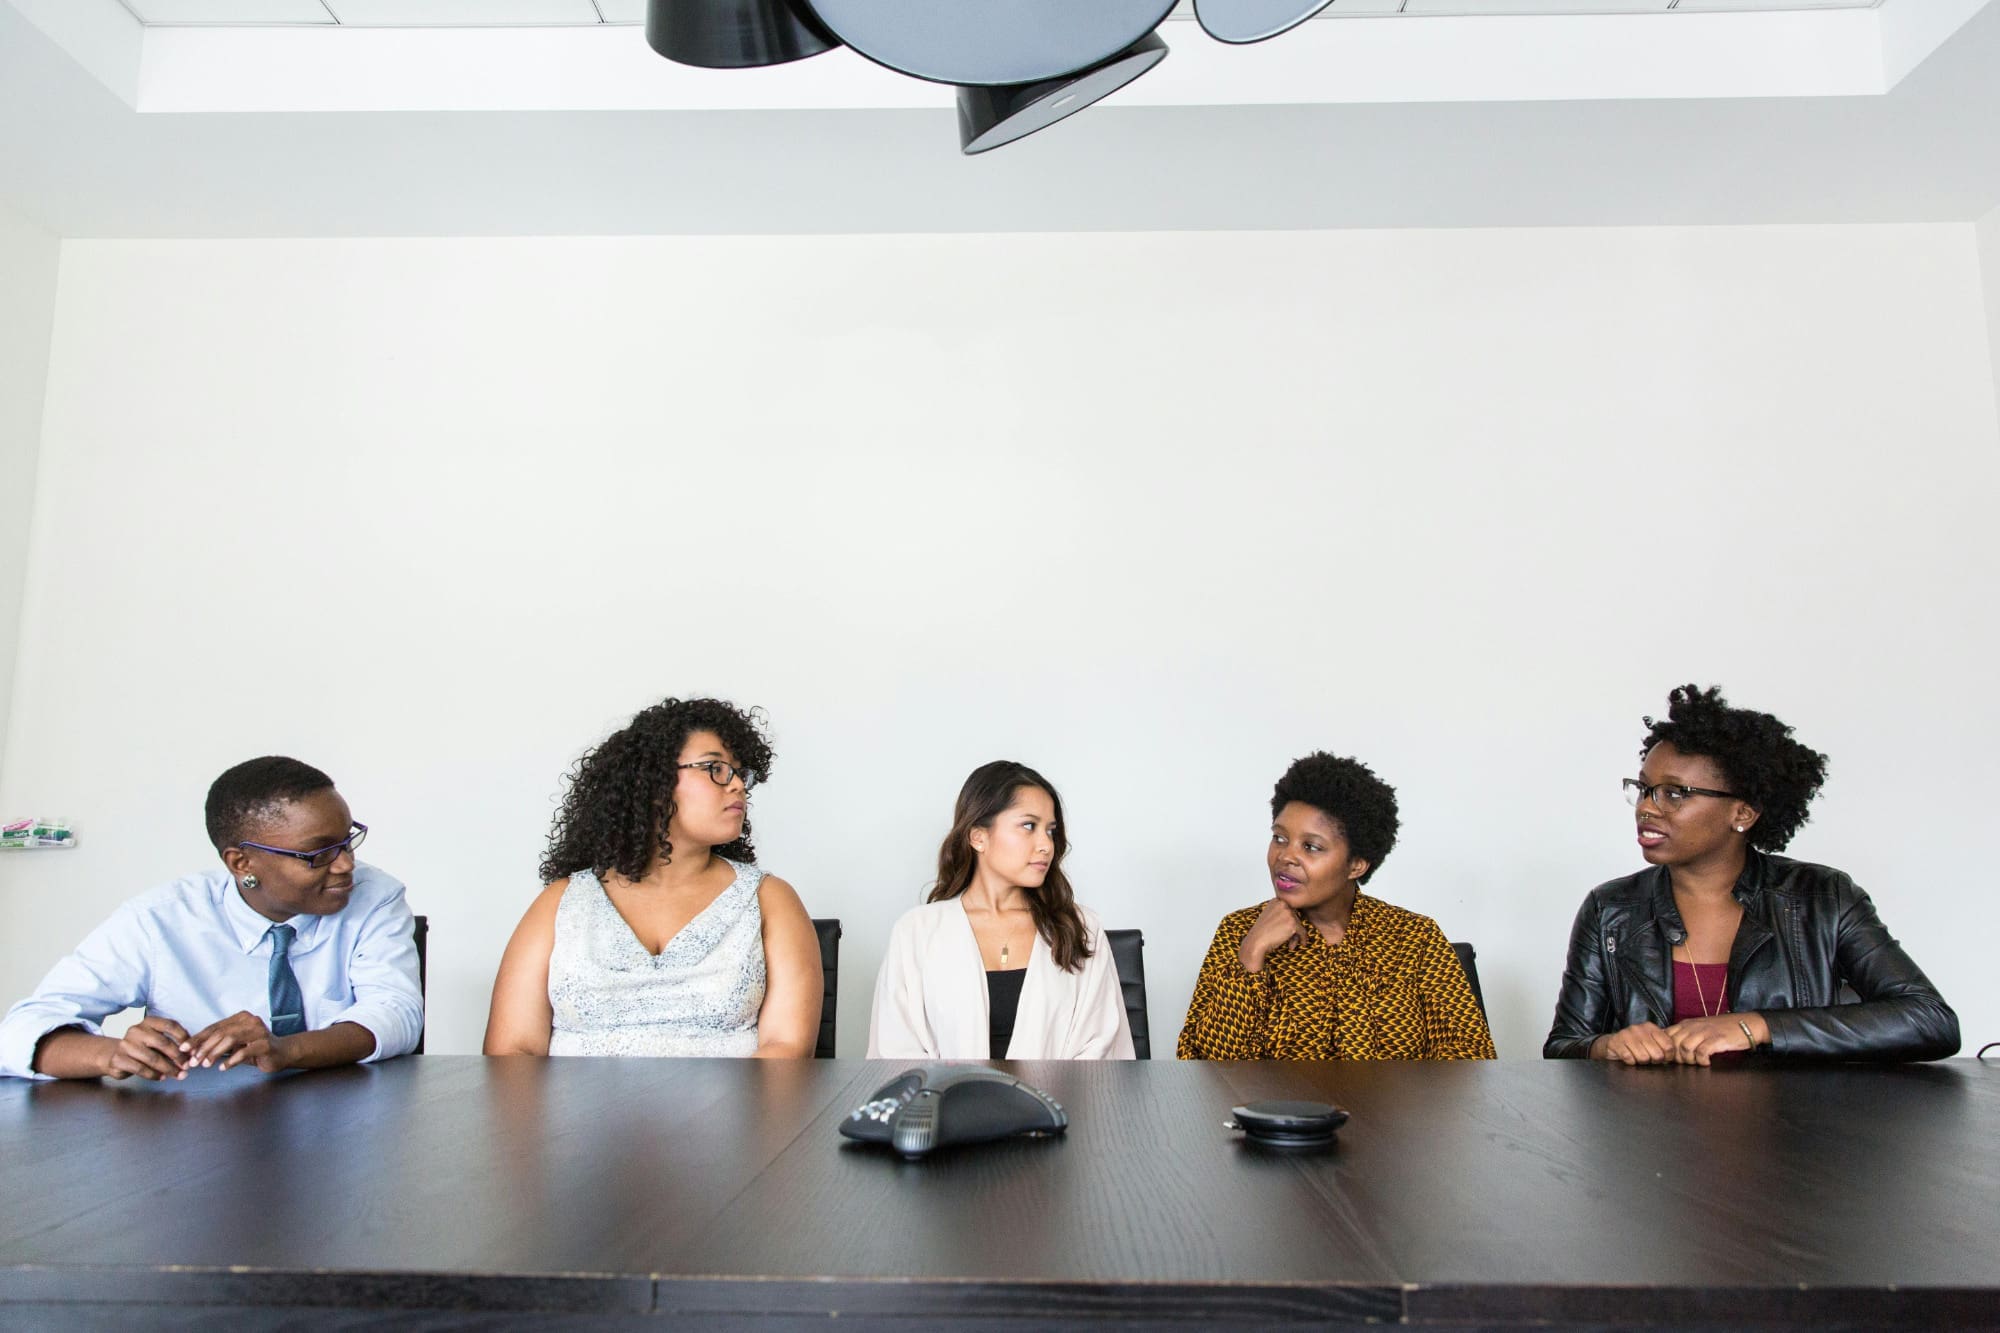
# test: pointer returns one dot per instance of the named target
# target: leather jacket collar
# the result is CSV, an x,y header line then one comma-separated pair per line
x,y
1669,931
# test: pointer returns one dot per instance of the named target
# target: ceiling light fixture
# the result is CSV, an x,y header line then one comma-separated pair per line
x,y
990,117
734,34
1019,65
1242,21
990,42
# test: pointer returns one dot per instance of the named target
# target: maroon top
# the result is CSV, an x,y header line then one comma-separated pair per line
x,y
1688,997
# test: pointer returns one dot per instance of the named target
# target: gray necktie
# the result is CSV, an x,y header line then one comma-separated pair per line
x,y
288,1003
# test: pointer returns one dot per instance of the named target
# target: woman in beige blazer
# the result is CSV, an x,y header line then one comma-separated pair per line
x,y
1002,961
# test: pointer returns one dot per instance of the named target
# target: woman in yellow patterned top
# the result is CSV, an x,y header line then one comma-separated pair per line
x,y
1322,971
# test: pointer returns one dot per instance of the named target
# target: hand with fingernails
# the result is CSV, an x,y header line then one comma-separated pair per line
x,y
1696,1040
1277,928
153,1048
240,1039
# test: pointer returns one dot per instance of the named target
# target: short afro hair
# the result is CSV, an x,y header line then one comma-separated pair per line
x,y
1774,774
621,794
250,793
1347,792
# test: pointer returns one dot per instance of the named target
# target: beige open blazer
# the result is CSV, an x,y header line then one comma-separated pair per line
x,y
930,997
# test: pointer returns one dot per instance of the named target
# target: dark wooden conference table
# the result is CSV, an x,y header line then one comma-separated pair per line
x,y
463,1191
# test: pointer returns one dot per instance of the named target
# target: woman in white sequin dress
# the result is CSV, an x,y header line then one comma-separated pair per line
x,y
657,934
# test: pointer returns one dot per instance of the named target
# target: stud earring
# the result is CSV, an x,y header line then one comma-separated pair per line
x,y
1739,828
250,883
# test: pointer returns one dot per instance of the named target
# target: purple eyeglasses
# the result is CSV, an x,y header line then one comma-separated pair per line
x,y
322,858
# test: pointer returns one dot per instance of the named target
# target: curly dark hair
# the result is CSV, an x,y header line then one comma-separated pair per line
x,y
1347,792
1772,773
621,794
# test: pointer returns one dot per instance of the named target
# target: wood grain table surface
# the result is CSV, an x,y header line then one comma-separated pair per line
x,y
448,1189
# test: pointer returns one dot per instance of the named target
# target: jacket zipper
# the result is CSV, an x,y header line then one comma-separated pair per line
x,y
1634,978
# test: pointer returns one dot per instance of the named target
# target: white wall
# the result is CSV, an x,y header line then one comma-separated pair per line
x,y
28,262
1154,513
1987,234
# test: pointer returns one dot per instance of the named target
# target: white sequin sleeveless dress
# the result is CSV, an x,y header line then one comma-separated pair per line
x,y
698,996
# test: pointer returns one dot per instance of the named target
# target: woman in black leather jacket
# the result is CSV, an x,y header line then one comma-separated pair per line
x,y
1721,946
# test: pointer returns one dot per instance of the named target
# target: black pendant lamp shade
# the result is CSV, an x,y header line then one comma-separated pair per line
x,y
734,34
1253,20
989,117
990,42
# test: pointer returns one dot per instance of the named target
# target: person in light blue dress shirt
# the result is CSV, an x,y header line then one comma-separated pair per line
x,y
293,956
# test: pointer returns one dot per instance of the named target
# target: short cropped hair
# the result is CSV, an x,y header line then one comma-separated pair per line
x,y
251,792
1347,792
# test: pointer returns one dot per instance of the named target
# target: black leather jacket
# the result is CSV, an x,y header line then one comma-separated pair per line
x,y
1807,932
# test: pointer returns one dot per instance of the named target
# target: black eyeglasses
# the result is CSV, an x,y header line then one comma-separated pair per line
x,y
722,774
1668,795
322,858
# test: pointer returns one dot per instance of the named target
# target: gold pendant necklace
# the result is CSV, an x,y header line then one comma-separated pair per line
x,y
1700,998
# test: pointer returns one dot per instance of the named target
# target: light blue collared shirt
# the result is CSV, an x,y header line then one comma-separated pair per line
x,y
195,952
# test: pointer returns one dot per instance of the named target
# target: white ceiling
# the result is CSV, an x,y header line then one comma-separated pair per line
x,y
406,59
504,13
1923,146
324,68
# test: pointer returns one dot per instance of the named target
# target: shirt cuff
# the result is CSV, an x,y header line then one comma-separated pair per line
x,y
22,1033
1259,983
393,1037
1249,993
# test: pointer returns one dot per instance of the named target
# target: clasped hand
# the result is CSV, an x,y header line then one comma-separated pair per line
x,y
1276,929
159,1048
1693,1041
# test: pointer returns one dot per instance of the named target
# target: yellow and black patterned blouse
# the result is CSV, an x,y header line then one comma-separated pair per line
x,y
1392,989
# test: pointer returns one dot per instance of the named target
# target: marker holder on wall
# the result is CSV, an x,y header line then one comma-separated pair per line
x,y
28,835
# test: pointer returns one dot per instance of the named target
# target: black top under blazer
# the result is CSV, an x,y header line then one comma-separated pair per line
x,y
1807,932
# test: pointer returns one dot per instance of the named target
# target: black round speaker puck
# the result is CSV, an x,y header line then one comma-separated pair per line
x,y
1285,1124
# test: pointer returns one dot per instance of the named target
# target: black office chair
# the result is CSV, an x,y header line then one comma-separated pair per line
x,y
1466,953
423,973
829,964
1128,951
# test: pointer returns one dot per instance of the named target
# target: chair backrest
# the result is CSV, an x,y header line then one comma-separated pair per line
x,y
423,973
1466,953
1128,950
828,929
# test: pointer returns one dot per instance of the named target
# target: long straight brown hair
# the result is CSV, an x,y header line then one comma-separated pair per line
x,y
983,799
